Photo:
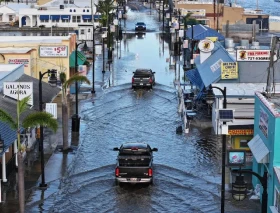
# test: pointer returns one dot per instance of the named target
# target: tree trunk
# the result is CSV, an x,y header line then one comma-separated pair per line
x,y
65,126
21,190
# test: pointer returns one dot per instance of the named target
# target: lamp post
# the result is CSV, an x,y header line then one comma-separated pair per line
x,y
52,82
263,181
76,117
210,99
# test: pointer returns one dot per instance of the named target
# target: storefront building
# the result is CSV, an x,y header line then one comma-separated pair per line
x,y
40,53
265,147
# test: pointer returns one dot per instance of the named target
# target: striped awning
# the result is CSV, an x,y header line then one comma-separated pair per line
x,y
44,17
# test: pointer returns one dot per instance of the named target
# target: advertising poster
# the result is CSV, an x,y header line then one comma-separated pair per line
x,y
236,158
53,51
229,70
263,122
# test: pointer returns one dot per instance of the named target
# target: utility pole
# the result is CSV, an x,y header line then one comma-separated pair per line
x,y
271,66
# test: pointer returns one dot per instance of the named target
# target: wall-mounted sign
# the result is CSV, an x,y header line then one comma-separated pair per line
x,y
19,90
229,70
53,51
206,45
263,122
24,61
52,109
241,132
252,55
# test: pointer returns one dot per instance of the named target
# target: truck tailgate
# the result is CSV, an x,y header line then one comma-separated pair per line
x,y
139,172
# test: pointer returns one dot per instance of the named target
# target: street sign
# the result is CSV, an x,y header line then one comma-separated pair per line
x,y
52,109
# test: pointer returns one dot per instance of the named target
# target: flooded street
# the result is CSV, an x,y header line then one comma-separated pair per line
x,y
187,167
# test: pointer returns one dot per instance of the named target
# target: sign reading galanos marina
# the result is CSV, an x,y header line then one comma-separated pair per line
x,y
252,55
53,51
19,90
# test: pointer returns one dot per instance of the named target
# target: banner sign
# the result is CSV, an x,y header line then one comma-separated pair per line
x,y
252,55
53,51
19,90
229,70
241,132
263,122
52,109
24,61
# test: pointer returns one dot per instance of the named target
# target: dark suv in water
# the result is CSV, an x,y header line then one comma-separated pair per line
x,y
143,78
140,26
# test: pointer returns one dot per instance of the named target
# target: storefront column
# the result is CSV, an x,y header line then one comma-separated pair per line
x,y
4,178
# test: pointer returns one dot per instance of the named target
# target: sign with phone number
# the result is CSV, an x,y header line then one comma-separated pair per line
x,y
53,51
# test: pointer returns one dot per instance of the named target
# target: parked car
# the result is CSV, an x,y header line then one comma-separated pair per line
x,y
143,78
140,26
134,163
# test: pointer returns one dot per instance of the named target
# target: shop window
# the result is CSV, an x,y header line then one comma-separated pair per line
x,y
244,144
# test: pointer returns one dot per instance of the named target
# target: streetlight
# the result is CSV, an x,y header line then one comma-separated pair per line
x,y
75,117
52,82
210,98
263,180
93,57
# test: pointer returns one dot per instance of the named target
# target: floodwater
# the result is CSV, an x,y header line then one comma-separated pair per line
x,y
187,167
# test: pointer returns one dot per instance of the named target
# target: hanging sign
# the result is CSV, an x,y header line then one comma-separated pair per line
x,y
19,90
229,70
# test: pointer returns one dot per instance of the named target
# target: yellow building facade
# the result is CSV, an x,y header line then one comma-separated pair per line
x,y
40,53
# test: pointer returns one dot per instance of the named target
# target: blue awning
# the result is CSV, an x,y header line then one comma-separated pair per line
x,y
44,17
194,77
55,17
97,16
65,17
87,17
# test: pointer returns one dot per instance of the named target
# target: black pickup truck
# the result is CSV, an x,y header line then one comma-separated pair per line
x,y
143,78
134,163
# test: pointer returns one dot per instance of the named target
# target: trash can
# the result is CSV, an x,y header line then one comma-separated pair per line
x,y
76,123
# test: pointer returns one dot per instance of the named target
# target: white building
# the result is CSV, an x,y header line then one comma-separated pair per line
x,y
56,17
7,15
9,11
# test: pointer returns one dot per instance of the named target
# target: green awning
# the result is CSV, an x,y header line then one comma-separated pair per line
x,y
81,58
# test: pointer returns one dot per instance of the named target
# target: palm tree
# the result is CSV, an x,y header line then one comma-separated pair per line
x,y
65,84
31,120
189,20
105,7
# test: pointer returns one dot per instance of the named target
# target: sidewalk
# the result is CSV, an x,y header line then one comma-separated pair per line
x,y
56,162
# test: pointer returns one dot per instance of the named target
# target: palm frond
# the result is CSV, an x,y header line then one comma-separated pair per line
x,y
6,118
40,118
22,104
75,78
